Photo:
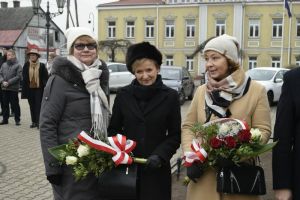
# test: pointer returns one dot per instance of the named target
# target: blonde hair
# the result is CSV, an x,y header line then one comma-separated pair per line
x,y
84,38
142,60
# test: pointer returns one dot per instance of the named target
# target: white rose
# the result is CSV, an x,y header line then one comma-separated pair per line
x,y
223,129
83,150
71,160
255,133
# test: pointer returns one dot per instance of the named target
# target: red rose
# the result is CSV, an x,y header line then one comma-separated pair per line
x,y
230,142
215,143
244,135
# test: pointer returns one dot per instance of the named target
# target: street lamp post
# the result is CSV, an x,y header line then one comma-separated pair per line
x,y
90,19
48,16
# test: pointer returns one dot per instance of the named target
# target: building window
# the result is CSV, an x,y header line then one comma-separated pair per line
x,y
275,61
220,27
130,29
298,60
109,59
252,62
111,29
169,60
56,36
253,28
149,29
298,27
170,27
190,63
190,28
277,28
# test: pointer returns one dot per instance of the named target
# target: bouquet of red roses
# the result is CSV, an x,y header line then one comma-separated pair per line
x,y
226,138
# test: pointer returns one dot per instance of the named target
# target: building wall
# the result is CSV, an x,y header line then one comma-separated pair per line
x,y
236,15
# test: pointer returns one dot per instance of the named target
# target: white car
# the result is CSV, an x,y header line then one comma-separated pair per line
x,y
119,76
271,78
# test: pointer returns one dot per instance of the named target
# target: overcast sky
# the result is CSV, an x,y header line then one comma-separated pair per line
x,y
86,10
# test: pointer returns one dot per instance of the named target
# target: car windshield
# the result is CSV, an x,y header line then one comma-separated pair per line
x,y
170,74
261,75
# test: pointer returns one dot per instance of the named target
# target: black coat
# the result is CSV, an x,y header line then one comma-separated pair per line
x,y
156,131
65,113
43,77
286,154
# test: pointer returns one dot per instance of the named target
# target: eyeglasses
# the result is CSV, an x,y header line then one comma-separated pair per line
x,y
90,46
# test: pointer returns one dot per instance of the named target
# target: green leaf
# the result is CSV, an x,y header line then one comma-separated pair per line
x,y
59,152
264,148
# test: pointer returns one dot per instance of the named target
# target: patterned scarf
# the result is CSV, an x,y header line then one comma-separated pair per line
x,y
220,94
34,78
100,110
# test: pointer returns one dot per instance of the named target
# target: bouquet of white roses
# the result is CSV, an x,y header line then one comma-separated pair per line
x,y
87,155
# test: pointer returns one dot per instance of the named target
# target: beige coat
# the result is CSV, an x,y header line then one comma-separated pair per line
x,y
253,107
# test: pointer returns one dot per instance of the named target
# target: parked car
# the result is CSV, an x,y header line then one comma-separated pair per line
x,y
271,78
119,76
179,79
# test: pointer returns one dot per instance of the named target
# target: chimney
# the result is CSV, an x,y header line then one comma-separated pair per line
x,y
16,4
4,4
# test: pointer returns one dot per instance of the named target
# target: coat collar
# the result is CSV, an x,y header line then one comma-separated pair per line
x,y
154,102
68,71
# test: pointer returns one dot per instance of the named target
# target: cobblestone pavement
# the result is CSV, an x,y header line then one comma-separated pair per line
x,y
22,176
22,169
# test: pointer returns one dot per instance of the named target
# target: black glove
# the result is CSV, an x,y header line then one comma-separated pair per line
x,y
55,179
224,162
194,171
153,162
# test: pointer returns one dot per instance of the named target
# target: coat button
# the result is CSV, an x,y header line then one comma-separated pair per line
x,y
46,98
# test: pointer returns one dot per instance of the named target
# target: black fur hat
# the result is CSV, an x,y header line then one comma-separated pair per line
x,y
142,50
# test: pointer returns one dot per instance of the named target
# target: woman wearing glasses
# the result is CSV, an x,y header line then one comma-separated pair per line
x,y
74,100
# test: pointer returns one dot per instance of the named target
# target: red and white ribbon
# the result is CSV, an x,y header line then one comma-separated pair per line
x,y
120,147
198,153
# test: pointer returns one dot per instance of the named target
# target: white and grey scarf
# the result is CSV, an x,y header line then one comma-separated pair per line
x,y
100,110
220,94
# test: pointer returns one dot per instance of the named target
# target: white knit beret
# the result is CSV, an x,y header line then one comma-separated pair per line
x,y
225,45
75,32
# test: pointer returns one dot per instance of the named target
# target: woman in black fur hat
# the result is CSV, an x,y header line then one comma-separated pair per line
x,y
148,112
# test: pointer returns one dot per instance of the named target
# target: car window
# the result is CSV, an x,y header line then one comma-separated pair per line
x,y
261,75
113,68
280,74
185,72
122,68
170,74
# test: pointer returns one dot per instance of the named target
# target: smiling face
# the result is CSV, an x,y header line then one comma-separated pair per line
x,y
216,65
145,71
85,50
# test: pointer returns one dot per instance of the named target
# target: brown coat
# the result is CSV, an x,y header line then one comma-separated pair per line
x,y
253,107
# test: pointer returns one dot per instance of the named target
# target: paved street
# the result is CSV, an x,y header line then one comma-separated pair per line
x,y
22,169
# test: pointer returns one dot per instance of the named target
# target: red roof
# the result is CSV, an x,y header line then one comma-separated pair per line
x,y
9,37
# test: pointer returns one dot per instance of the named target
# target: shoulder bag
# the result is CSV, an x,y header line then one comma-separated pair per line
x,y
119,182
244,179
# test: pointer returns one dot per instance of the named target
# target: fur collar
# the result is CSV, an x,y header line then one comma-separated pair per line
x,y
67,70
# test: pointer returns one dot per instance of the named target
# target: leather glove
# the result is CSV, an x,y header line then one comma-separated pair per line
x,y
55,179
194,171
153,162
224,162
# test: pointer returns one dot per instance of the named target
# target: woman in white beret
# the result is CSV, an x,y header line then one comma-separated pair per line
x,y
228,92
74,100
